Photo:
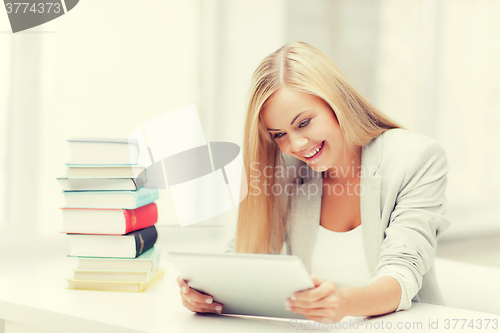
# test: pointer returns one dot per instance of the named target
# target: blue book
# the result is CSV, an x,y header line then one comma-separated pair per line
x,y
111,199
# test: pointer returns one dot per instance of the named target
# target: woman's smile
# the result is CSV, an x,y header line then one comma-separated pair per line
x,y
315,153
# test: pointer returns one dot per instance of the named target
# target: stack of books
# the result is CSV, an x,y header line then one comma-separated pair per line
x,y
110,217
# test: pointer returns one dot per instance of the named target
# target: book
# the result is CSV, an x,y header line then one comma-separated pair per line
x,y
108,221
102,184
115,285
113,275
147,261
110,199
103,151
130,245
104,171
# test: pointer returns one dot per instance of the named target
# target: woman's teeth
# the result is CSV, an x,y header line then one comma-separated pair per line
x,y
314,152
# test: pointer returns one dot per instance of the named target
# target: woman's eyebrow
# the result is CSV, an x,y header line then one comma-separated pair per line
x,y
293,120
298,114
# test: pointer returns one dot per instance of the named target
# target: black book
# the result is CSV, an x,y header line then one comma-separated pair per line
x,y
130,245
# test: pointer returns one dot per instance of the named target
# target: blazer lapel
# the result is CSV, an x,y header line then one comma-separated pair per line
x,y
370,200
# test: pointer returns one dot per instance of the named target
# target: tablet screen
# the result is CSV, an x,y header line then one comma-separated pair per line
x,y
246,284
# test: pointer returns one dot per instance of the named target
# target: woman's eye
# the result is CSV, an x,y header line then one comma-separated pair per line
x,y
278,135
304,123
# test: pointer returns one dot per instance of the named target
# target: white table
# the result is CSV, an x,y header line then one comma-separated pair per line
x,y
32,292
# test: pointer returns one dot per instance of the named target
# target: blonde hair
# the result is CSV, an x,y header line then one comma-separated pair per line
x,y
262,218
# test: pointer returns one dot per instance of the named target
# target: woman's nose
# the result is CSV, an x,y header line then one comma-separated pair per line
x,y
298,143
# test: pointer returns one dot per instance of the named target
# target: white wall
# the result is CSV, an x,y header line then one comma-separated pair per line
x,y
5,89
245,32
469,109
106,67
438,75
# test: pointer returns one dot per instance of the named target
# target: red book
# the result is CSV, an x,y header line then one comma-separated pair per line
x,y
108,221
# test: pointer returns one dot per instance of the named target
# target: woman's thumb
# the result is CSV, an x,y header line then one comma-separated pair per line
x,y
315,280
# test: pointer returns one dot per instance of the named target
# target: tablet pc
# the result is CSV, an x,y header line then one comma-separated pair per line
x,y
246,284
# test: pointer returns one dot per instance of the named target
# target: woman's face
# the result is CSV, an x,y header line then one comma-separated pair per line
x,y
301,124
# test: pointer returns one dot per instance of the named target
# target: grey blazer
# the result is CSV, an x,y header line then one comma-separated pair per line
x,y
403,180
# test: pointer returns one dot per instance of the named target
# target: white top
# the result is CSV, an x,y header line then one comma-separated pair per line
x,y
340,257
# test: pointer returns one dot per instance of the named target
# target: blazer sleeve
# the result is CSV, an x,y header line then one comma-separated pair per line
x,y
418,218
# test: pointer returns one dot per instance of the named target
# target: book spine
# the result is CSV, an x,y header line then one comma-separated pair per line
x,y
155,260
156,277
136,148
140,180
145,196
145,239
140,218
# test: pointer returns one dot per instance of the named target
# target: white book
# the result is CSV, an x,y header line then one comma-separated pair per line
x,y
104,171
113,275
130,286
148,261
103,151
101,184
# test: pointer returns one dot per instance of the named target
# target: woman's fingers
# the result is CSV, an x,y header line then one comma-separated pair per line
x,y
323,303
182,284
196,301
203,308
325,289
195,296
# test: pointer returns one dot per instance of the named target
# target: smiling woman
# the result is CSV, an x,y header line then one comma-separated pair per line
x,y
298,100
365,217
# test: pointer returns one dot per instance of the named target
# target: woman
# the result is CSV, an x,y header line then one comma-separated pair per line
x,y
365,217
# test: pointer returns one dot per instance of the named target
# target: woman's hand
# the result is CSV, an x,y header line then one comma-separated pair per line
x,y
325,301
196,301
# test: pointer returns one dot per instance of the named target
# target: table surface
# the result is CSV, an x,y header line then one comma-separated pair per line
x,y
33,291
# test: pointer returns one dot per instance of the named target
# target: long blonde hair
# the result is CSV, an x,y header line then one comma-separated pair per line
x,y
262,217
